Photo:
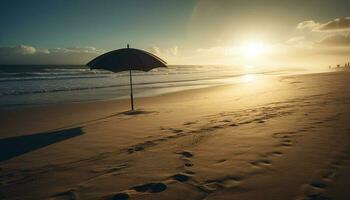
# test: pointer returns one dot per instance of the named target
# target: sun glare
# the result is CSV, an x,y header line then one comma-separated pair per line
x,y
253,50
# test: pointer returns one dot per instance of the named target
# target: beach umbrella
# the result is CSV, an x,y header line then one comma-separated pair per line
x,y
127,59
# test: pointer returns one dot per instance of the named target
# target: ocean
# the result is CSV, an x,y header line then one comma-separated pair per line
x,y
31,85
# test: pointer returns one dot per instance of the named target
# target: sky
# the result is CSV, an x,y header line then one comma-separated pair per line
x,y
220,32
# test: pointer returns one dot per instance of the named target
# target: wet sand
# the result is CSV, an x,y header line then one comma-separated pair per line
x,y
267,138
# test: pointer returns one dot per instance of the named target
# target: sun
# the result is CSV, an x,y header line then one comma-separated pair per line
x,y
253,50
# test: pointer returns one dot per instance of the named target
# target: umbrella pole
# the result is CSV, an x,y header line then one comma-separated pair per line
x,y
131,95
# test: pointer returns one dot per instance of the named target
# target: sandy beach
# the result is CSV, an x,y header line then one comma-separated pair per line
x,y
268,138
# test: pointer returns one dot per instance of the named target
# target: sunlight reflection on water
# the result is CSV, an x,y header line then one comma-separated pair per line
x,y
248,78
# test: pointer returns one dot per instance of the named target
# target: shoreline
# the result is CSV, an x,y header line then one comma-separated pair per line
x,y
160,90
90,86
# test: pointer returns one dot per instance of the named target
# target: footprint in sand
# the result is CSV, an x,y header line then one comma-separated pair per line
x,y
185,157
150,187
261,162
189,123
319,184
134,149
233,124
188,163
315,190
318,122
147,144
209,187
275,153
286,142
109,169
285,135
174,130
327,174
177,131
285,138
311,192
68,195
225,182
330,173
221,161
230,183
181,177
186,154
338,163
119,196
189,172
155,187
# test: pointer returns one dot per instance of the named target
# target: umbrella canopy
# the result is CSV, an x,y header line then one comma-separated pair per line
x,y
127,59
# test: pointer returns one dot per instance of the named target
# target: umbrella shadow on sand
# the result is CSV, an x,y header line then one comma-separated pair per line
x,y
135,112
16,146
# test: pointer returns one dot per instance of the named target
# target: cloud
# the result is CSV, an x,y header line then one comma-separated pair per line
x,y
336,41
167,52
217,51
23,54
20,49
339,24
44,51
77,50
155,50
312,25
296,39
322,42
174,50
